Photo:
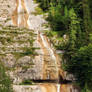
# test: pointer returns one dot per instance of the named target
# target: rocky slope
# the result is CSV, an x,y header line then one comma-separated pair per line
x,y
17,35
46,88
23,17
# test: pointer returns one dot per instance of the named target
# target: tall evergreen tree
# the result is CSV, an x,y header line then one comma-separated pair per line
x,y
86,17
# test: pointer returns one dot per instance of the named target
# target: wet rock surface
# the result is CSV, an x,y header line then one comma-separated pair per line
x,y
46,88
16,47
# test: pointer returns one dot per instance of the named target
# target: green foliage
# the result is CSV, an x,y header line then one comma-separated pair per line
x,y
80,66
57,40
73,28
5,82
38,11
10,35
44,4
26,82
75,31
90,38
56,19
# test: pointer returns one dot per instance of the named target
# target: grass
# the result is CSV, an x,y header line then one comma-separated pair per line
x,y
10,33
57,41
27,66
38,11
26,82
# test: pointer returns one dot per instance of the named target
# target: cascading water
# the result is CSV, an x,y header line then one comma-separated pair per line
x,y
21,8
47,46
22,15
51,52
19,11
58,87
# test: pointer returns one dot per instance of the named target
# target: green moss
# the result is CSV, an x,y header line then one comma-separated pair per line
x,y
10,69
11,32
25,67
38,11
27,82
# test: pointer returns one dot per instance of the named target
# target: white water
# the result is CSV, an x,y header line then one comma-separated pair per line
x,y
50,50
20,10
58,87
47,46
29,3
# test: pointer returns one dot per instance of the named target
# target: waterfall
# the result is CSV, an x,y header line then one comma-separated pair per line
x,y
50,50
20,10
47,46
58,87
23,19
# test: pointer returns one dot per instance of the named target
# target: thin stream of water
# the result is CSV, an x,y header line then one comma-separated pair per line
x,y
19,12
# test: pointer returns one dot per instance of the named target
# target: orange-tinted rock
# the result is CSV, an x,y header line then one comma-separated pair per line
x,y
69,88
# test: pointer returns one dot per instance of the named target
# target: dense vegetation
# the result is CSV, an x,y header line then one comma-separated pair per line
x,y
5,82
70,22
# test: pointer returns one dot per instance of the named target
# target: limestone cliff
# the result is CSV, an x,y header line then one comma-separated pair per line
x,y
17,35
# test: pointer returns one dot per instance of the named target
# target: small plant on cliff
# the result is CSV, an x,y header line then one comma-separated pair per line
x,y
5,82
26,82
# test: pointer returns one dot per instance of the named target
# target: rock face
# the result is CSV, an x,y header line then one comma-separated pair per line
x,y
47,88
16,44
16,52
6,9
23,88
46,61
